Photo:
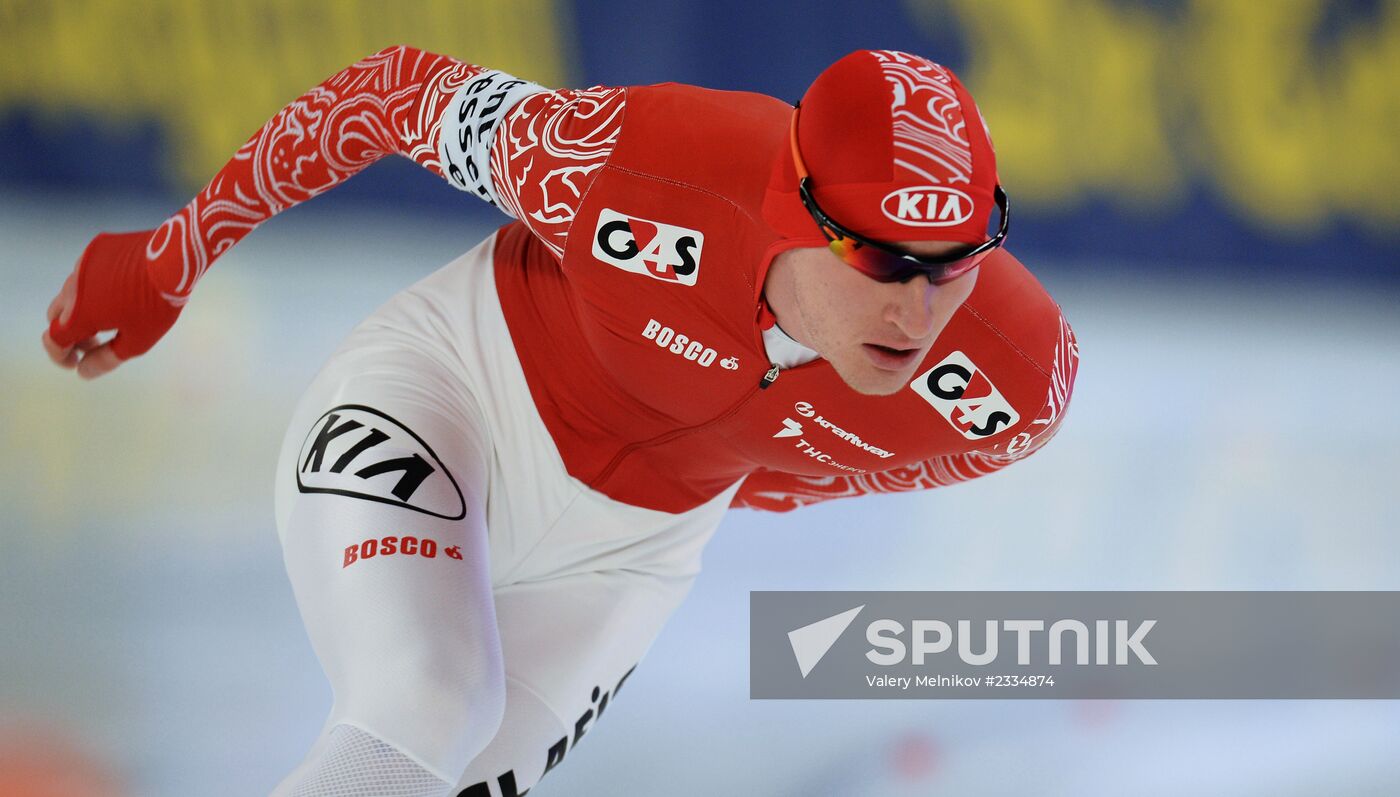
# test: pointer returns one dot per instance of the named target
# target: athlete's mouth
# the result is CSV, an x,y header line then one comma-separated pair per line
x,y
889,358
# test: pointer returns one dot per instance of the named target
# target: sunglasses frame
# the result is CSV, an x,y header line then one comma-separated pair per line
x,y
844,242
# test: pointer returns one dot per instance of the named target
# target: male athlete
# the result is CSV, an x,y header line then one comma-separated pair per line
x,y
497,489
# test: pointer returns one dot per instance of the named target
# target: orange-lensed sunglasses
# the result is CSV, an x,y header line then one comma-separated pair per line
x,y
883,262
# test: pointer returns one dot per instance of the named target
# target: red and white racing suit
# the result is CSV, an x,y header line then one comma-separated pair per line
x,y
498,488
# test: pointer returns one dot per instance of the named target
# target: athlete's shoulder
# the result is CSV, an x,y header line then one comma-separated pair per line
x,y
1010,309
1009,350
713,140
702,107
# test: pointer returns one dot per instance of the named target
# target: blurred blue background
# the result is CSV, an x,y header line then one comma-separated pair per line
x,y
1208,188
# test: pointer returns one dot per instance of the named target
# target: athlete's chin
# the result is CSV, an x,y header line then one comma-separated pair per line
x,y
871,381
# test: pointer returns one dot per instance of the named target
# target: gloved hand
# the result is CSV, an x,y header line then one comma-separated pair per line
x,y
109,289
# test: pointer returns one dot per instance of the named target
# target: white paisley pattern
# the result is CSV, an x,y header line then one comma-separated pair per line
x,y
780,492
930,129
547,152
388,103
1062,374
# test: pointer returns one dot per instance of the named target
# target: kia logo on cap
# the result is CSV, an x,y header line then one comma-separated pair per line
x,y
927,206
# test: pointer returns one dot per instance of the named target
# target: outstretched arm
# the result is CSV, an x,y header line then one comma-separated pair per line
x,y
773,491
391,103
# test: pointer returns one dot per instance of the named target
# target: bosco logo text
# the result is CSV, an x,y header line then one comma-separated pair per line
x,y
407,545
966,397
927,206
683,345
660,251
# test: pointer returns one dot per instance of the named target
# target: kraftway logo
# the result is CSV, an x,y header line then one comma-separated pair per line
x,y
806,410
661,251
964,396
927,206
792,428
360,452
929,638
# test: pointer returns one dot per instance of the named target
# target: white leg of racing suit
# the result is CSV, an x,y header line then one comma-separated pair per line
x,y
475,669
409,643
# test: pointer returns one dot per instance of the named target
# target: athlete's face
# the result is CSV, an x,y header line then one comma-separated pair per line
x,y
874,334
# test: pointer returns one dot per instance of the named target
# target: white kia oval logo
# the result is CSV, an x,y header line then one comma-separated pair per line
x,y
927,206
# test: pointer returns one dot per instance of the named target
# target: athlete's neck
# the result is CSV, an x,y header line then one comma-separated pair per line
x,y
780,292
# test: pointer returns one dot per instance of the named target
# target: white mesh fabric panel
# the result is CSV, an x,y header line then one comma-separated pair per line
x,y
356,764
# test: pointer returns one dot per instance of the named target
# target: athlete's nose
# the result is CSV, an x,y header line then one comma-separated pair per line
x,y
911,308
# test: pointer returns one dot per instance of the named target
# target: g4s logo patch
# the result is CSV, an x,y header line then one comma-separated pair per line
x,y
966,397
660,251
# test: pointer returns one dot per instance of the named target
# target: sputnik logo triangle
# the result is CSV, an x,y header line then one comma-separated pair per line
x,y
811,642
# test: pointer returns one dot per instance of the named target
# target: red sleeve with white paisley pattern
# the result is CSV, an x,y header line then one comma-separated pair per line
x,y
546,153
433,109
437,111
387,104
782,492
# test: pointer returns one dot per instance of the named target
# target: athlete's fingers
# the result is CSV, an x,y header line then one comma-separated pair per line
x,y
62,305
70,358
99,361
64,356
55,307
58,313
64,329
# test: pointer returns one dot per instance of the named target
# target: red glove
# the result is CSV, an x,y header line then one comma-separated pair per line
x,y
113,291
